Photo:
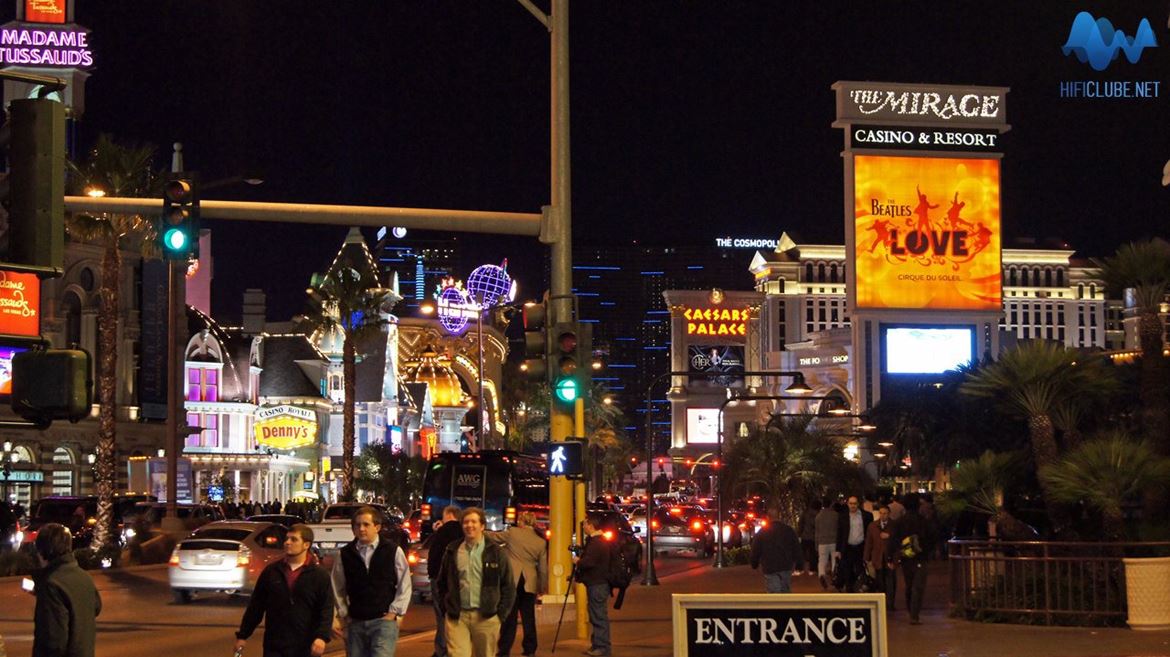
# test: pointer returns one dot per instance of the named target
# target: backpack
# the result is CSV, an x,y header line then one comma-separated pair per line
x,y
619,574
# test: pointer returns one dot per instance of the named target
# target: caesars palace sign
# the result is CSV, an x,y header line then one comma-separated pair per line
x,y
717,322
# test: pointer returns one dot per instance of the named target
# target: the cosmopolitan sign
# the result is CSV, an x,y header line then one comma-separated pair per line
x,y
744,243
790,625
717,322
920,104
29,44
285,427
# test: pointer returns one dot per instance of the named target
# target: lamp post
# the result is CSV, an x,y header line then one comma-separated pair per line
x,y
7,459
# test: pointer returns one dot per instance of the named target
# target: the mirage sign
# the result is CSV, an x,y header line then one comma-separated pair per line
x,y
791,625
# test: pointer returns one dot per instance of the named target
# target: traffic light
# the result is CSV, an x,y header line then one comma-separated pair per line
x,y
178,227
35,135
535,365
52,384
566,383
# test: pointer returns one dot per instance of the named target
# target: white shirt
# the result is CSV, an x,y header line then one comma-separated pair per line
x,y
856,530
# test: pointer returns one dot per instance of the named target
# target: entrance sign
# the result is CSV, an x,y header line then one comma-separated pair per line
x,y
789,625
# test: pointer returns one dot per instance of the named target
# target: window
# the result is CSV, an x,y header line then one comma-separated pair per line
x,y
209,436
203,384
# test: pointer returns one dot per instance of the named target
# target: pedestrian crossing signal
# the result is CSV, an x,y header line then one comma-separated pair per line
x,y
566,459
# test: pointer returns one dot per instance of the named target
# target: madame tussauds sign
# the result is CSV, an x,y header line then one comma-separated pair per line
x,y
735,625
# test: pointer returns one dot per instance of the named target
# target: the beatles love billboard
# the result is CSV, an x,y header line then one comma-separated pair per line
x,y
927,233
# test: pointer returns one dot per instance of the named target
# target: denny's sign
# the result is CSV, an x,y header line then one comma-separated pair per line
x,y
285,427
20,304
717,322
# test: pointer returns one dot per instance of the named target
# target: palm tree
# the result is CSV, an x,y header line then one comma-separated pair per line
x,y
1104,473
1144,267
980,485
1032,382
120,170
393,476
790,460
349,304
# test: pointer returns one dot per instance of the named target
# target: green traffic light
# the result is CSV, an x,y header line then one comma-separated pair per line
x,y
566,389
175,239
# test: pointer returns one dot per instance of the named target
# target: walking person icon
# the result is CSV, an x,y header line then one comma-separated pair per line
x,y
558,461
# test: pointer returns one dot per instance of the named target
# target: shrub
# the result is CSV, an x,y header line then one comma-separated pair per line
x,y
91,559
17,562
739,556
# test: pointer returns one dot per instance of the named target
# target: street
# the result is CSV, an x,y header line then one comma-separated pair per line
x,y
139,618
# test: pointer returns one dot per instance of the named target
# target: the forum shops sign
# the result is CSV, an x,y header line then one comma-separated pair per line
x,y
790,625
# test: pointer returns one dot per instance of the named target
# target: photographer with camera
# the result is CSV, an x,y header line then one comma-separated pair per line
x,y
592,570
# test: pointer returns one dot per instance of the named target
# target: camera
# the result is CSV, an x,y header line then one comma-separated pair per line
x,y
576,550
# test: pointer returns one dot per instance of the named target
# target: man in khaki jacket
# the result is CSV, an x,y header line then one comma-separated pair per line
x,y
528,555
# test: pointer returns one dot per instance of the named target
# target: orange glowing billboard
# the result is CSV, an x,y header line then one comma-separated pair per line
x,y
926,233
44,11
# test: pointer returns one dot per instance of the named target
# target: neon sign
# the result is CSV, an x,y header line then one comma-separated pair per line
x,y
20,304
725,322
28,45
285,427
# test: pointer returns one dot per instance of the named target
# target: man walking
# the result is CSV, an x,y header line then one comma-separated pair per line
x,y
476,589
877,554
528,556
446,534
593,571
777,548
371,582
825,529
912,542
851,542
65,620
295,596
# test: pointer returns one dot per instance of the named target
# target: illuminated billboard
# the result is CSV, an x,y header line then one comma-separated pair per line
x,y
927,349
20,304
926,233
285,427
702,426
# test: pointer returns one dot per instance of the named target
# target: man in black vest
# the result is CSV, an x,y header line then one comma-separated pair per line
x,y
371,581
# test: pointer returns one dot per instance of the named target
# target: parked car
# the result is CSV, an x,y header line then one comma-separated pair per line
x,y
416,556
334,530
149,515
413,525
79,514
225,556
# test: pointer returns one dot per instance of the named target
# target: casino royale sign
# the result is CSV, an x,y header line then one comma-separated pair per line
x,y
285,427
796,625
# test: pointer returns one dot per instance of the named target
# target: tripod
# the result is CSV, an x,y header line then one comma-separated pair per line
x,y
565,603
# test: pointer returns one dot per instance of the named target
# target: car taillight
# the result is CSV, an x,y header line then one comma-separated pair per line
x,y
674,510
425,513
697,526
510,514
243,557
174,560
751,516
412,558
764,523
742,526
654,524
607,535
548,533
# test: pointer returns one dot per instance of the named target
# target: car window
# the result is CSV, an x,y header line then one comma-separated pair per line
x,y
223,533
272,538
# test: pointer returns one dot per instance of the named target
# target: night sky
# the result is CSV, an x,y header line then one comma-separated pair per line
x,y
689,119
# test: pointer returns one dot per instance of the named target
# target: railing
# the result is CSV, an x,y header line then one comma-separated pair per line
x,y
1051,583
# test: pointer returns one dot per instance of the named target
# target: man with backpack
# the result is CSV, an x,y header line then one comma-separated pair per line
x,y
778,548
592,570
911,543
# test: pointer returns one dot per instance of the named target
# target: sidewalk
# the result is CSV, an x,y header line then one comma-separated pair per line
x,y
643,626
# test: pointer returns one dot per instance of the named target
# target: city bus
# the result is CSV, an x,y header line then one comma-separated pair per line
x,y
502,483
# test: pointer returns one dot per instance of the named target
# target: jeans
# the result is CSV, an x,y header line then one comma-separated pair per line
x,y
780,582
825,558
440,626
376,637
525,608
599,616
914,574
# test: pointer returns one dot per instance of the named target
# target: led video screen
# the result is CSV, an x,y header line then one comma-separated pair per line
x,y
927,350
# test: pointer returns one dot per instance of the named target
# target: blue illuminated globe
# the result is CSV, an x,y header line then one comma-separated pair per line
x,y
488,284
456,298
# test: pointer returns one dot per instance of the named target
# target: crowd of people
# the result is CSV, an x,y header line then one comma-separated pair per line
x,y
852,550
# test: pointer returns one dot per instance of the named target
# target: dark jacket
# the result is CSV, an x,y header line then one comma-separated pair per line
x,y
593,566
296,618
449,532
843,528
909,524
65,621
777,547
497,592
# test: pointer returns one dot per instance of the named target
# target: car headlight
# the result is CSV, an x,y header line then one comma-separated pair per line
x,y
18,538
129,533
